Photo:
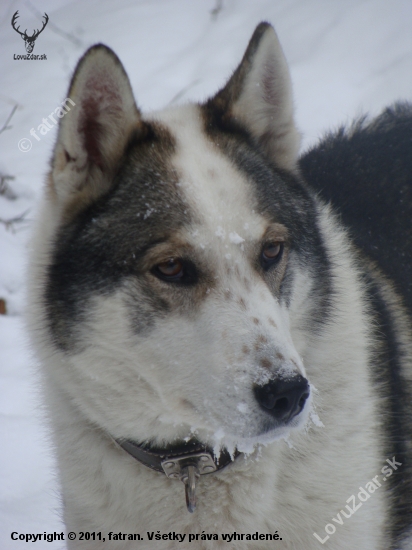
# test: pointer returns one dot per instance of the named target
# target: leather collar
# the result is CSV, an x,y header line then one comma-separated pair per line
x,y
185,461
153,457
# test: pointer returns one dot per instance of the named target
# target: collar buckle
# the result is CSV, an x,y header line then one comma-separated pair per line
x,y
188,468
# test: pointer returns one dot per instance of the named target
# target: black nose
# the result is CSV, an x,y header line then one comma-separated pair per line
x,y
283,399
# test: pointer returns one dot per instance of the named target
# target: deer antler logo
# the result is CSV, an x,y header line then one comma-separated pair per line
x,y
28,40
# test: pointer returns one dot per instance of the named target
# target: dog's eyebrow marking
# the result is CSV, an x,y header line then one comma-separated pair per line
x,y
149,246
275,232
160,249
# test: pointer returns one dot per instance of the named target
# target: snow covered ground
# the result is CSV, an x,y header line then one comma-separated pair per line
x,y
346,57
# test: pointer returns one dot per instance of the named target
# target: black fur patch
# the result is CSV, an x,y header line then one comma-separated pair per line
x,y
366,173
395,413
103,244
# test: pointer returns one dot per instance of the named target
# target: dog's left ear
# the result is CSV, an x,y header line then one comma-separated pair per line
x,y
258,96
93,135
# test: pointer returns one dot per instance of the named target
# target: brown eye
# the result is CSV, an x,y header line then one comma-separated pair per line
x,y
272,250
177,271
271,254
172,268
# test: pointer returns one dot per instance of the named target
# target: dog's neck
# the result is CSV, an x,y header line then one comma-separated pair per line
x,y
185,461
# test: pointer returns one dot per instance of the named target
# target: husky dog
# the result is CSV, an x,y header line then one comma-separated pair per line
x,y
209,309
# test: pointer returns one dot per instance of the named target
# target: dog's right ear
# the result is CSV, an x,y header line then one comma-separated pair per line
x,y
258,97
100,116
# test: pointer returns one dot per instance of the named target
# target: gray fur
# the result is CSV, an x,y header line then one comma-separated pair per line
x,y
130,351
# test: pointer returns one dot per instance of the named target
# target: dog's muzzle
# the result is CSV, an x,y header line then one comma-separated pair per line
x,y
186,462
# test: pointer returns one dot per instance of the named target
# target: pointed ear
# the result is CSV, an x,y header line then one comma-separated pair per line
x,y
94,129
258,96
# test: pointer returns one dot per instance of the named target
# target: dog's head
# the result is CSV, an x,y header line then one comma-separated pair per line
x,y
181,252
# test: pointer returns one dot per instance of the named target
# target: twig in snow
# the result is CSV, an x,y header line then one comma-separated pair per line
x,y
5,188
183,91
5,125
55,28
9,224
217,9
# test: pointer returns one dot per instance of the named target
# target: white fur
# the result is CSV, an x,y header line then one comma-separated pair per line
x,y
131,386
119,384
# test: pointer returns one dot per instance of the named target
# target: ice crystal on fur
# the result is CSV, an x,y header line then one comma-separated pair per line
x,y
235,238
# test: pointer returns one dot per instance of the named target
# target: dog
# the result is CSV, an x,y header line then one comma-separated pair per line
x,y
224,328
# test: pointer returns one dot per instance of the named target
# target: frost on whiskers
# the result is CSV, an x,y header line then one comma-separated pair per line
x,y
312,413
316,420
247,446
253,445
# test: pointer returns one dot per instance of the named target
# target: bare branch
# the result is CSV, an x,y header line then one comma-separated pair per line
x,y
183,91
217,9
5,187
9,224
5,125
55,28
